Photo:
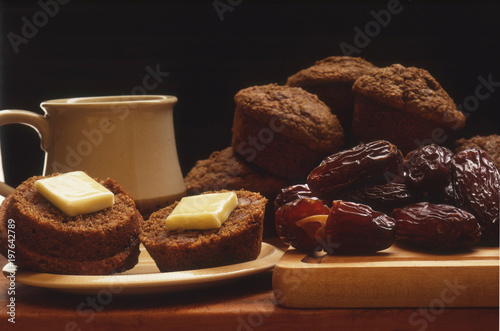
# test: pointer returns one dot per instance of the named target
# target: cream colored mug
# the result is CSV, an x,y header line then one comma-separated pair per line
x,y
127,138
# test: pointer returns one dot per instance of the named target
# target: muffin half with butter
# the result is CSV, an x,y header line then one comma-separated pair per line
x,y
207,230
71,224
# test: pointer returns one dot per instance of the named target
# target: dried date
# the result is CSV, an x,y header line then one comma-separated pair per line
x,y
383,197
353,166
354,228
291,193
428,168
436,226
300,235
476,184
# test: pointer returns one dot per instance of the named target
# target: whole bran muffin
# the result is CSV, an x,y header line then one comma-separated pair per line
x,y
228,170
404,105
490,144
331,79
49,241
285,130
239,239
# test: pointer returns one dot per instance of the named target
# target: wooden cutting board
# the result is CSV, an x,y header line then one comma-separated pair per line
x,y
396,277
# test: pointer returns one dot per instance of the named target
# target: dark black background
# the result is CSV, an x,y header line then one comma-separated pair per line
x,y
103,49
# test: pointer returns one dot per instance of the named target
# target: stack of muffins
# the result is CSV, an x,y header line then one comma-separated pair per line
x,y
281,132
404,105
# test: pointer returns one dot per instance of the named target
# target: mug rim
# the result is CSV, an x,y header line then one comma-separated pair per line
x,y
110,99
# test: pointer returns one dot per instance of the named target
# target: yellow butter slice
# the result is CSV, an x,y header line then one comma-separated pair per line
x,y
202,212
75,193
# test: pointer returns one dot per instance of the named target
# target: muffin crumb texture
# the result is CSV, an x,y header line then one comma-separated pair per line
x,y
47,240
239,239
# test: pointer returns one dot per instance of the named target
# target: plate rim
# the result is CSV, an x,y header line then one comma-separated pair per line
x,y
164,280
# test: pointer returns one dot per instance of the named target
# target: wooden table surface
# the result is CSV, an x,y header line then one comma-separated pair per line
x,y
244,304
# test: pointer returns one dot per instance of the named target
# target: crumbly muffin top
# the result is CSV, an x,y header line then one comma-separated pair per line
x,y
225,170
294,113
413,90
332,69
490,144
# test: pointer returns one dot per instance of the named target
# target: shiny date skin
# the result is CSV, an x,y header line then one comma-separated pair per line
x,y
461,193
355,228
291,193
436,226
383,197
353,166
428,168
476,185
302,236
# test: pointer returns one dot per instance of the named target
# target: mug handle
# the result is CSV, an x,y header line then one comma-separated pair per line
x,y
38,122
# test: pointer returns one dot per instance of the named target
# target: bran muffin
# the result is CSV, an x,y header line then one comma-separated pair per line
x,y
47,240
404,105
226,169
490,144
239,238
284,130
331,79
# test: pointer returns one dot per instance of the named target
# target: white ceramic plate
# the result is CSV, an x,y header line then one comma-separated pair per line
x,y
145,277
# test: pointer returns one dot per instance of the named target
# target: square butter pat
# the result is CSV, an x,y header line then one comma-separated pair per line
x,y
75,193
201,212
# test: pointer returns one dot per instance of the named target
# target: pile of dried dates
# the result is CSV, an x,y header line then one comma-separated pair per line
x,y
361,200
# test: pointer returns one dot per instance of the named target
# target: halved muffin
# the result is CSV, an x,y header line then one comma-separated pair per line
x,y
239,238
47,240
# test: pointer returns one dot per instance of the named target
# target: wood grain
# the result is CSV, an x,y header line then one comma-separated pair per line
x,y
396,277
